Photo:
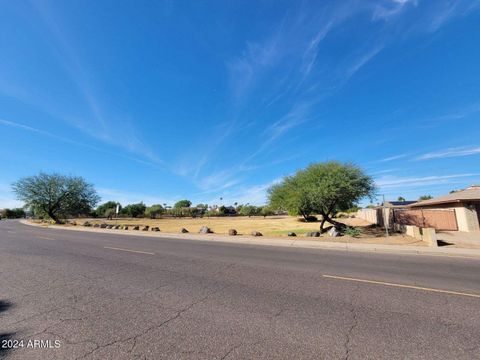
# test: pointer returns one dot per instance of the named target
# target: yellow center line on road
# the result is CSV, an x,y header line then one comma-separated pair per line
x,y
401,286
45,238
128,250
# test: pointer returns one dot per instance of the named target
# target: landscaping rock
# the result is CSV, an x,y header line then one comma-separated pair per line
x,y
232,232
117,227
292,234
146,228
313,234
333,232
125,227
109,226
136,227
96,225
205,230
183,230
103,226
256,233
156,228
87,224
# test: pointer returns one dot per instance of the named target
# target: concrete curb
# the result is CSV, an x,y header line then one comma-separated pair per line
x,y
295,243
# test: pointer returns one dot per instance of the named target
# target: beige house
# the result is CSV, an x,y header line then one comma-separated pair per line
x,y
463,205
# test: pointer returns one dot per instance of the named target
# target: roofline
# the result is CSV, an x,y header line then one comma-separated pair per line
x,y
453,201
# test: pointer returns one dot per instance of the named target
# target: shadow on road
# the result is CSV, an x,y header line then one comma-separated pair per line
x,y
4,306
443,243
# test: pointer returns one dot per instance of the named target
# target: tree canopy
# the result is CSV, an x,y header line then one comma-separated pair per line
x,y
153,211
425,197
15,213
56,196
323,188
107,209
182,204
134,210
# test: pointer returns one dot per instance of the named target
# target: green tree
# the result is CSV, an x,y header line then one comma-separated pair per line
x,y
153,211
182,204
249,210
401,198
107,209
266,211
15,213
425,197
134,210
323,188
289,196
56,196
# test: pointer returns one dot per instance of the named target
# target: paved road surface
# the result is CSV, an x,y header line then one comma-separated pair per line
x,y
179,299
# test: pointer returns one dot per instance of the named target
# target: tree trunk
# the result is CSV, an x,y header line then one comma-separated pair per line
x,y
322,223
54,217
335,223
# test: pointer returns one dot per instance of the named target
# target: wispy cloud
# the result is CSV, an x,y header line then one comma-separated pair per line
x,y
362,60
447,10
392,158
310,54
73,142
128,197
466,111
245,69
385,10
254,195
101,124
450,152
391,182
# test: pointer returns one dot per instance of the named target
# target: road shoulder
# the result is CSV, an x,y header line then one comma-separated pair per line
x,y
289,242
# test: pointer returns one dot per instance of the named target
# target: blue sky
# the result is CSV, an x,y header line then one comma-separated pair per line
x,y
158,101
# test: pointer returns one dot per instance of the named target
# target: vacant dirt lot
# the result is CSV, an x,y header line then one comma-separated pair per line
x,y
273,226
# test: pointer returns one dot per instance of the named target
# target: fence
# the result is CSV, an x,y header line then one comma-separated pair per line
x,y
439,219
444,219
370,215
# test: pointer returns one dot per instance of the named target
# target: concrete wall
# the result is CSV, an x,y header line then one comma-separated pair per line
x,y
370,215
467,218
376,216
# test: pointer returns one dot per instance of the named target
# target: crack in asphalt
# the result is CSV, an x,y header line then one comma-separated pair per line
x,y
163,323
353,312
232,349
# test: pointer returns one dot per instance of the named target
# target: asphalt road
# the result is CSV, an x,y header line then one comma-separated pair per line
x,y
102,296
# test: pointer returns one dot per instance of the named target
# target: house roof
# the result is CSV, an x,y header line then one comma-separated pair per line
x,y
471,193
398,203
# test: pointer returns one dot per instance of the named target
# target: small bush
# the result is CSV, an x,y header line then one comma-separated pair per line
x,y
352,231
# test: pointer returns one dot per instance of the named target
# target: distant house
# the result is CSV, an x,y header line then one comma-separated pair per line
x,y
398,204
460,210
457,211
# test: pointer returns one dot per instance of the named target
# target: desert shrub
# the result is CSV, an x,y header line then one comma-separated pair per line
x,y
249,210
352,231
266,211
153,211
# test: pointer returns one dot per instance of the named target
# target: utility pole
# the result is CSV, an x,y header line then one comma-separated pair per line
x,y
386,221
117,210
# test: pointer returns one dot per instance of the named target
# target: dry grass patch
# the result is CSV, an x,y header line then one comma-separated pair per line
x,y
269,226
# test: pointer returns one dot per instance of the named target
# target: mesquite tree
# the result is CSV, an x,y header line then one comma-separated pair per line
x,y
324,189
56,196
